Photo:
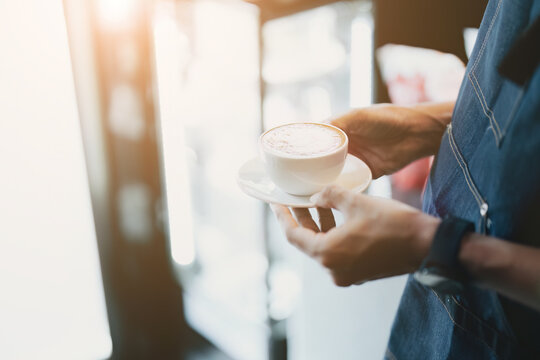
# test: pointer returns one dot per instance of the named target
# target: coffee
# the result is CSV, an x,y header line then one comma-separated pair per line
x,y
303,139
302,158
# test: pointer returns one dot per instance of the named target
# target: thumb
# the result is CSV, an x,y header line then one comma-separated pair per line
x,y
333,197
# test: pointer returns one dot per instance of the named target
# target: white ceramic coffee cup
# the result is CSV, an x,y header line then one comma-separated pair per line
x,y
304,175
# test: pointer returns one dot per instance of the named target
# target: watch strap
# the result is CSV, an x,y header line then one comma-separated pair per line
x,y
442,262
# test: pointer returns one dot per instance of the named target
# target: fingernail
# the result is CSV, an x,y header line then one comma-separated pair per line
x,y
315,198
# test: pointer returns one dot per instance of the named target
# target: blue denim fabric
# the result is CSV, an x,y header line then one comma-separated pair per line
x,y
487,168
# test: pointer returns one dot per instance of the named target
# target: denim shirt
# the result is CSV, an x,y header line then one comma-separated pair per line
x,y
487,168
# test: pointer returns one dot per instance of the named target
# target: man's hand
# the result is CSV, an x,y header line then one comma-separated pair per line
x,y
382,238
388,137
379,238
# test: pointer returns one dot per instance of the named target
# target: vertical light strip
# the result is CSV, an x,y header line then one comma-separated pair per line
x,y
362,60
169,55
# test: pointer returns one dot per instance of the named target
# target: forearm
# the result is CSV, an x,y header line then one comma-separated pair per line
x,y
510,269
425,121
440,112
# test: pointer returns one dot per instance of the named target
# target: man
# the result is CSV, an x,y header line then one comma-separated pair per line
x,y
476,290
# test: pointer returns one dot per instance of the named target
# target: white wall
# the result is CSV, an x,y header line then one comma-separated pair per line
x,y
51,296
342,323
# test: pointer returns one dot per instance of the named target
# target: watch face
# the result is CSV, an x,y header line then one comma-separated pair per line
x,y
438,282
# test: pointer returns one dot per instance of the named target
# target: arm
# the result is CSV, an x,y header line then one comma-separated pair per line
x,y
388,137
510,269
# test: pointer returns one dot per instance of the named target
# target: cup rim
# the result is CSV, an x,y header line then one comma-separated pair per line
x,y
283,155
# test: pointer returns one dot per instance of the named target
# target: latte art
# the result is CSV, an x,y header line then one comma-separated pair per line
x,y
303,140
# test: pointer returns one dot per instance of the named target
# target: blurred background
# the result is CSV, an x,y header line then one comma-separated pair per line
x,y
123,234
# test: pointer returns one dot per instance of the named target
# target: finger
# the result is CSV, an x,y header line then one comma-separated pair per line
x,y
343,279
303,238
326,219
333,197
340,122
304,218
284,216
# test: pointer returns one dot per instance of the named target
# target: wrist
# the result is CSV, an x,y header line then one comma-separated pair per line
x,y
431,120
441,269
428,133
439,112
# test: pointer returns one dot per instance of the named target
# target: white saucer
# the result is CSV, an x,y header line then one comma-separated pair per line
x,y
254,181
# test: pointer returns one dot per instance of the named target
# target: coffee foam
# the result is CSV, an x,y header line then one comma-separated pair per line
x,y
304,140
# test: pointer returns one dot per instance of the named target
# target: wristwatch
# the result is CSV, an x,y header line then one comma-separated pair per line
x,y
441,269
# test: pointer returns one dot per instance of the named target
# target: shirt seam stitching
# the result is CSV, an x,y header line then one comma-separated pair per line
x,y
461,327
476,317
486,38
468,179
491,116
492,119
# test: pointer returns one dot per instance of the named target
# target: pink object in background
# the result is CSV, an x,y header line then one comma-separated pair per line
x,y
413,176
414,75
407,90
